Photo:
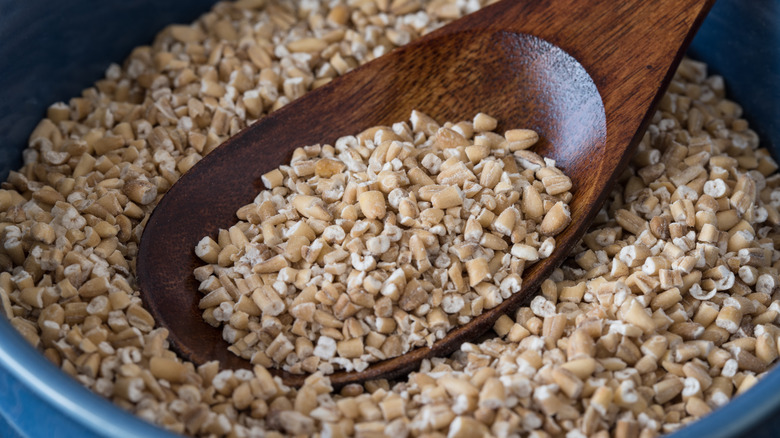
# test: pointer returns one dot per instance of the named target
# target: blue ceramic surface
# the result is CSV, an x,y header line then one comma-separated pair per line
x,y
50,51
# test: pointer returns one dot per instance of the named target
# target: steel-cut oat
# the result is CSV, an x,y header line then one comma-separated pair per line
x,y
362,250
666,311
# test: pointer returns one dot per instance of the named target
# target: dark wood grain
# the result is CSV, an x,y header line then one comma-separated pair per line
x,y
588,81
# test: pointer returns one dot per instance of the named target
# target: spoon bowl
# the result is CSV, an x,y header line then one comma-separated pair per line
x,y
585,75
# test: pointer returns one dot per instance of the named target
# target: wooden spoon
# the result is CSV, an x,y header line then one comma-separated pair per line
x,y
586,75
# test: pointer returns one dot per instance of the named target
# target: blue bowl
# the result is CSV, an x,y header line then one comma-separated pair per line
x,y
52,50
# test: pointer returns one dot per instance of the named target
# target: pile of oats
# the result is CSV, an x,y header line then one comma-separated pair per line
x,y
357,252
667,310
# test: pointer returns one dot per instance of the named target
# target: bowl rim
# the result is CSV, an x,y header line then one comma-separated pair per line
x,y
104,418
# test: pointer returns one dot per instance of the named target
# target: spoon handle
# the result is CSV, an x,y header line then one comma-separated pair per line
x,y
621,44
608,38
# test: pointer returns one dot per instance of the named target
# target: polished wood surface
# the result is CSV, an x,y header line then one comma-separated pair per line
x,y
586,75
